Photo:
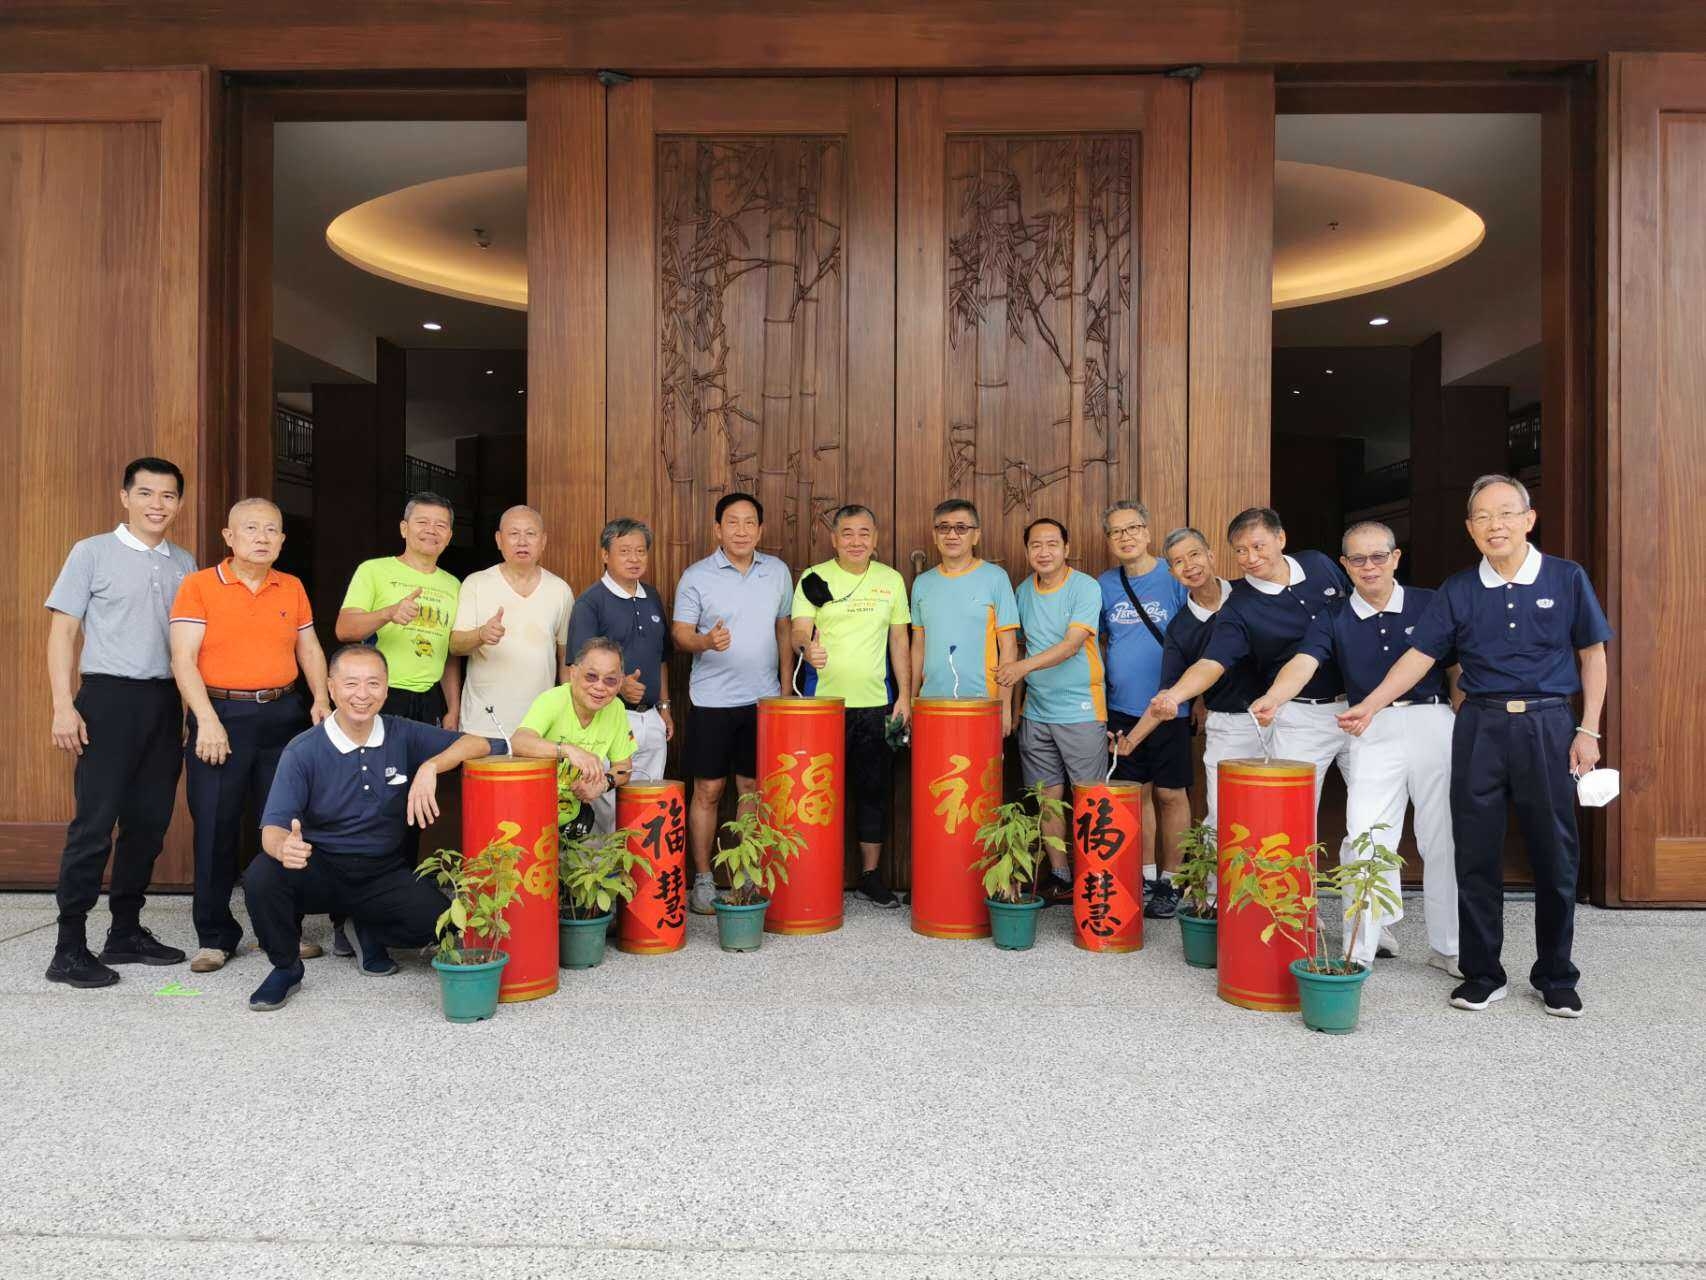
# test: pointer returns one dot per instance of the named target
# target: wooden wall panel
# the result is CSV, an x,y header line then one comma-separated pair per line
x,y
1232,214
103,299
1655,386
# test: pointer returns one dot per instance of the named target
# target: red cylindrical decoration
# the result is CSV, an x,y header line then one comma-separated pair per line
x,y
517,799
956,785
1263,806
654,921
802,770
1107,866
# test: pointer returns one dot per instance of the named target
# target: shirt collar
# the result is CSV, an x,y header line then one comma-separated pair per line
x,y
228,575
1525,576
124,535
1363,609
720,558
1201,614
1274,588
341,740
639,587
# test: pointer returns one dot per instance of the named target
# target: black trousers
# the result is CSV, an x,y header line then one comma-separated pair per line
x,y
218,796
870,769
126,777
1500,759
377,891
427,708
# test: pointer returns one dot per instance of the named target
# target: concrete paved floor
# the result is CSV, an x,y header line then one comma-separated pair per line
x,y
867,1103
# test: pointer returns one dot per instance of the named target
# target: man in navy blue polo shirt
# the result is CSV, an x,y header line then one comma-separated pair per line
x,y
1529,634
332,831
1405,757
1262,625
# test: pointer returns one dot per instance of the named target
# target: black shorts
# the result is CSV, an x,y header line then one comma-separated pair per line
x,y
1163,758
721,741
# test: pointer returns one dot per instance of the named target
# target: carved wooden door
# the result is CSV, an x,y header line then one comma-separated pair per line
x,y
1041,304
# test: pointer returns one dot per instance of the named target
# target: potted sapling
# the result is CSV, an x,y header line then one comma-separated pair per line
x,y
1329,989
471,930
1199,925
595,875
756,863
1013,847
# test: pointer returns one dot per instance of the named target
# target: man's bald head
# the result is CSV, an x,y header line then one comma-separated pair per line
x,y
258,505
521,536
522,512
254,530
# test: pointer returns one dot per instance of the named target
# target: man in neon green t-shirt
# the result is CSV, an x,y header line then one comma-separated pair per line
x,y
850,620
582,726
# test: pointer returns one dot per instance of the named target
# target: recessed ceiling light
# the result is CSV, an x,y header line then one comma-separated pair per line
x,y
1378,321
521,391
1296,392
1323,371
431,325
491,371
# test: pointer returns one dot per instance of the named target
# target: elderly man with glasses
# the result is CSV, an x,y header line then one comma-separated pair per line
x,y
1530,636
581,725
1405,757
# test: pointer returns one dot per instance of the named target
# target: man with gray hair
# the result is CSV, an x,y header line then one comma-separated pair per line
x,y
512,625
630,612
1405,757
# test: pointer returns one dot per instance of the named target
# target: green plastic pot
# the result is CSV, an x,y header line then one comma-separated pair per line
x,y
469,991
740,928
1013,925
580,943
1201,935
1329,1002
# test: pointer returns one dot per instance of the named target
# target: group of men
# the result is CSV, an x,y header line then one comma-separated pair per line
x,y
1088,672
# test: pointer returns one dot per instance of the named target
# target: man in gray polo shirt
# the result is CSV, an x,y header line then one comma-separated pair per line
x,y
124,724
731,613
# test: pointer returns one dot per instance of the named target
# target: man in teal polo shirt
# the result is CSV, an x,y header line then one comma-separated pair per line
x,y
964,620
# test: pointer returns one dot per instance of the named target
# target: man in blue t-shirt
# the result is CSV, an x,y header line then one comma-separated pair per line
x,y
341,803
965,622
1140,598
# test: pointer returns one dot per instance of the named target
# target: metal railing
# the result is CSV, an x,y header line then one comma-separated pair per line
x,y
1522,438
293,442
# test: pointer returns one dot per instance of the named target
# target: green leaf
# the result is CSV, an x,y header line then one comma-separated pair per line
x,y
458,913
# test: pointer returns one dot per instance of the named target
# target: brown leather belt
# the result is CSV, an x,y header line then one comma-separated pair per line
x,y
252,695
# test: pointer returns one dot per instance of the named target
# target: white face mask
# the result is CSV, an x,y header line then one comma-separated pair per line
x,y
1597,787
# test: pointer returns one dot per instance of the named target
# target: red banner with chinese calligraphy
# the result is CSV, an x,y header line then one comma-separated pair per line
x,y
518,799
802,771
1262,805
654,921
1107,866
956,785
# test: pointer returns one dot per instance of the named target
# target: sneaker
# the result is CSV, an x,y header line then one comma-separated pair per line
x,y
1447,964
374,960
1562,1002
138,947
872,889
1476,995
703,895
209,960
1164,903
1054,888
1148,890
279,986
307,951
340,941
76,967
1387,947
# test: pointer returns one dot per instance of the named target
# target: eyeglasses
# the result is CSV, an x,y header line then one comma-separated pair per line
x,y
1375,558
958,530
609,682
1126,530
1487,519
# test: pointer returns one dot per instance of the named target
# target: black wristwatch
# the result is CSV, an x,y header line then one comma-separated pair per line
x,y
610,781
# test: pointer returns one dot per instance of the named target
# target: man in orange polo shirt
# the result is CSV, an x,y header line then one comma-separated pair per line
x,y
241,632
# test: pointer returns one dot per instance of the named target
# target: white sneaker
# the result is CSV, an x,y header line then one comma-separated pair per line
x,y
1387,947
209,960
1448,964
704,893
1475,995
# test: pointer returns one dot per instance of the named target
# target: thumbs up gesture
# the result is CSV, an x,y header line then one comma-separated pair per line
x,y
407,609
295,850
719,637
492,629
633,689
816,654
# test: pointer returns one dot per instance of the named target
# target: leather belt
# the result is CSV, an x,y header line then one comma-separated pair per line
x,y
1517,706
251,695
1420,702
1321,702
640,708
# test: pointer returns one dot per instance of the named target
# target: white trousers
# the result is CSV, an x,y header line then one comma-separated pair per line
x,y
1230,735
1404,758
650,749
1311,732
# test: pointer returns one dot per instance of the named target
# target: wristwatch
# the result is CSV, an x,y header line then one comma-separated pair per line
x,y
662,706
610,781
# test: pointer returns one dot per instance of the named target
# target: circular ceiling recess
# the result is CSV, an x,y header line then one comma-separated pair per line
x,y
1339,233
430,235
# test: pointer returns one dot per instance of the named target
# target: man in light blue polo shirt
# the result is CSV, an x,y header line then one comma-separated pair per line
x,y
732,614
965,622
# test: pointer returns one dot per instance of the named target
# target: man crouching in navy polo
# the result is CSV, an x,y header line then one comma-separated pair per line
x,y
341,803
1520,623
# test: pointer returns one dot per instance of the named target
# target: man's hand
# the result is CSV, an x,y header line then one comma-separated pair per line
x,y
1265,708
668,724
212,744
407,609
581,760
69,731
1009,674
1164,706
318,712
1356,719
816,654
903,709
1006,720
293,853
590,785
718,637
1584,754
452,718
1120,744
492,629
423,796
633,688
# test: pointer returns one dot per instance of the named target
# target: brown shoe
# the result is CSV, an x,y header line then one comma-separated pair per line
x,y
1054,889
309,950
209,960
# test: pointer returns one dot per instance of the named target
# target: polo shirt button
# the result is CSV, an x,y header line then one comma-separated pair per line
x,y
365,787
1513,626
1511,605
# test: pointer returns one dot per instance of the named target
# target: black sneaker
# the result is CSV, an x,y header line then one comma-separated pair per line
x,y
1563,1002
1164,903
1148,890
872,889
75,967
1475,995
340,941
279,986
375,960
1054,889
138,947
